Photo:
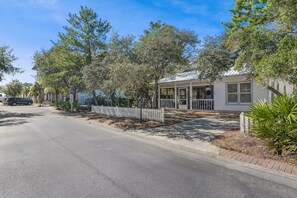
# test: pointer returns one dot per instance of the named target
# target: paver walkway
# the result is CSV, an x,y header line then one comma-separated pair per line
x,y
264,163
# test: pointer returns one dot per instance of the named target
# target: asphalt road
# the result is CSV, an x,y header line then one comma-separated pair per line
x,y
43,154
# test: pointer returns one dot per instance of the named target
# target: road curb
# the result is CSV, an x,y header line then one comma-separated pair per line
x,y
212,153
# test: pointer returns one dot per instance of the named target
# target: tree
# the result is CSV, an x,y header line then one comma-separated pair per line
x,y
126,72
263,34
36,90
59,69
86,35
26,91
6,59
14,88
213,58
164,49
94,75
112,71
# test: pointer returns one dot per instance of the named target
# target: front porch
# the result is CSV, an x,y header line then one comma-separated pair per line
x,y
187,96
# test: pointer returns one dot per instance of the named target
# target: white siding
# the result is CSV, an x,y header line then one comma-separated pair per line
x,y
283,87
259,92
220,102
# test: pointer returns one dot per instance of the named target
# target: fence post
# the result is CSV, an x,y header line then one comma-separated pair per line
x,y
247,124
242,122
162,115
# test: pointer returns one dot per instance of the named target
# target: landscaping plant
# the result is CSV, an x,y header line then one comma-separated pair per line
x,y
276,122
65,106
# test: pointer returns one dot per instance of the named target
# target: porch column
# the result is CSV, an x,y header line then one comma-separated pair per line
x,y
159,97
191,93
175,96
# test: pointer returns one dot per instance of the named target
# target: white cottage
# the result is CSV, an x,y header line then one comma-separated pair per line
x,y
234,92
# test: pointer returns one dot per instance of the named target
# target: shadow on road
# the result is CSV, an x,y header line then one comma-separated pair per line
x,y
12,119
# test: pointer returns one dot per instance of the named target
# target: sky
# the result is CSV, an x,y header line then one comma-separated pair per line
x,y
30,25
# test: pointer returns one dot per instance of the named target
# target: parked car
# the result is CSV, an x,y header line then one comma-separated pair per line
x,y
2,97
17,101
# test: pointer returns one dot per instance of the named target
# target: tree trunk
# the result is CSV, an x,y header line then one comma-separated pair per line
x,y
94,97
273,90
141,100
113,99
56,95
156,94
74,96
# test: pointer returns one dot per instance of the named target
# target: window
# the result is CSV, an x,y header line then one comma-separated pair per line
x,y
232,93
167,93
239,93
182,94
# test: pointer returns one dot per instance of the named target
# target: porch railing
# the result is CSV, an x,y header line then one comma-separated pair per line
x,y
202,104
167,103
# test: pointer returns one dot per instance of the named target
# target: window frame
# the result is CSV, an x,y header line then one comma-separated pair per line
x,y
166,96
238,93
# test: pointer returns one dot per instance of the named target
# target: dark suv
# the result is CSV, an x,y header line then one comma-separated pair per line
x,y
16,101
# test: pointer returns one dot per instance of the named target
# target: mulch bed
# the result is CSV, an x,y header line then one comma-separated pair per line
x,y
251,145
125,123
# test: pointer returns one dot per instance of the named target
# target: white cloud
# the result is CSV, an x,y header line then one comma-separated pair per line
x,y
185,6
195,9
44,2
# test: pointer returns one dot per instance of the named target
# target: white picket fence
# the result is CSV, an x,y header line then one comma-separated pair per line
x,y
245,123
147,114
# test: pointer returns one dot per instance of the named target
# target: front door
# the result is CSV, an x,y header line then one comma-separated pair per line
x,y
183,100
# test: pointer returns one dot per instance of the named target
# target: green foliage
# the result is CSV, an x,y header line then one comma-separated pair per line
x,y
263,35
81,59
119,70
59,69
164,49
213,58
277,122
14,88
86,33
94,75
6,59
36,90
65,106
26,91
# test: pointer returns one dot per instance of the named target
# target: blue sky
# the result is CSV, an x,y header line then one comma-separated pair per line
x,y
29,25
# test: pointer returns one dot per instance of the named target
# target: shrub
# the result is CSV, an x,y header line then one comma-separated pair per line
x,y
65,106
276,122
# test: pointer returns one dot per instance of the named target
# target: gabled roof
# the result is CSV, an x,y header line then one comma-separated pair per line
x,y
193,75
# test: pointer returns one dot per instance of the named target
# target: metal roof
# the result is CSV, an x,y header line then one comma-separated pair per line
x,y
193,75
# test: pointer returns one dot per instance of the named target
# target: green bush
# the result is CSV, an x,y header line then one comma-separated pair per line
x,y
65,106
276,122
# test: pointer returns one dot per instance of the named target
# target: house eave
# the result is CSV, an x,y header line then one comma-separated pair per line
x,y
196,80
